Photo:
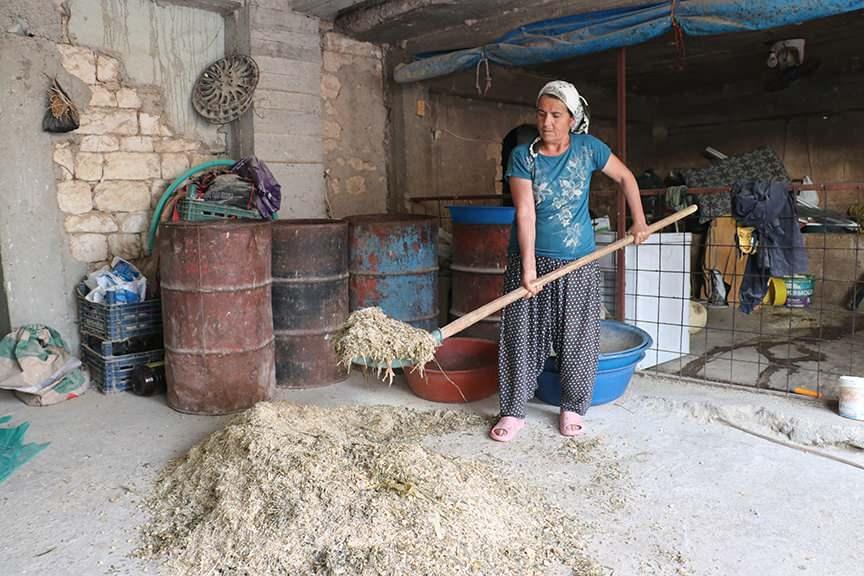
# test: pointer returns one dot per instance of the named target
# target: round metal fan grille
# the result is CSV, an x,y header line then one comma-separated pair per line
x,y
224,90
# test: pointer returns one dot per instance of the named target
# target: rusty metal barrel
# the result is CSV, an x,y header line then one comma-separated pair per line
x,y
393,264
217,314
310,300
481,235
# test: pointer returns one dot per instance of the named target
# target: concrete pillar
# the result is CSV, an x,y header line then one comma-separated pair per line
x,y
38,271
283,128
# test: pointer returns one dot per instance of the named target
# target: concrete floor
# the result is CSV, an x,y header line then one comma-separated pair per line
x,y
775,348
669,489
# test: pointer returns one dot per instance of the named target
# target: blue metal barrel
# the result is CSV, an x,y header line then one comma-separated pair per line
x,y
394,265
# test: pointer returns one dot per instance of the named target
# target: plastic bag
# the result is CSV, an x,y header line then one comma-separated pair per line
x,y
13,452
268,192
122,283
36,364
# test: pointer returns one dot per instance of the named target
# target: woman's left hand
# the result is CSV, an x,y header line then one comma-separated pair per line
x,y
639,232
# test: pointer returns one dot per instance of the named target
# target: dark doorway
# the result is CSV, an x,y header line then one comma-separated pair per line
x,y
524,134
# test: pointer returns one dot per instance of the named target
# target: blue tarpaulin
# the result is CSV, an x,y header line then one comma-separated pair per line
x,y
580,34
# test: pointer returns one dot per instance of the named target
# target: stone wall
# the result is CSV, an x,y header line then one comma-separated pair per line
x,y
354,120
160,44
112,170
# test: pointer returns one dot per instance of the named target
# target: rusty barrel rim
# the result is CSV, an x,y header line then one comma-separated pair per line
x,y
384,219
308,222
216,224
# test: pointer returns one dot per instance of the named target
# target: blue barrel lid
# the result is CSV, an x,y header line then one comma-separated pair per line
x,y
482,214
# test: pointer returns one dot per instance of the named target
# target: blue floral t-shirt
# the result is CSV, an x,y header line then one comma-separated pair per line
x,y
560,186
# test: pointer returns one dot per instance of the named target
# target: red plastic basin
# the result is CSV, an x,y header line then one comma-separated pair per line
x,y
471,364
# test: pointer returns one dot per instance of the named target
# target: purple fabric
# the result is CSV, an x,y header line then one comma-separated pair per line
x,y
268,193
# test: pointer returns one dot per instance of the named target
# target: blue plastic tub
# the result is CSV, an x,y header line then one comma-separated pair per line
x,y
622,347
482,214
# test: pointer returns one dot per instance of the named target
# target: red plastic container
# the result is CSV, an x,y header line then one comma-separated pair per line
x,y
471,364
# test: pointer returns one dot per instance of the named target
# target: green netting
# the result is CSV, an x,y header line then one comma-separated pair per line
x,y
13,452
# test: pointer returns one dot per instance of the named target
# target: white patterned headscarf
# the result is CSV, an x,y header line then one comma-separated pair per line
x,y
575,103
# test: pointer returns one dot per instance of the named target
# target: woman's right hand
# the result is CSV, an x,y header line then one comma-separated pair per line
x,y
528,279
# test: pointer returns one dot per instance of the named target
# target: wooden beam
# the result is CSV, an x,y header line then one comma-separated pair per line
x,y
359,22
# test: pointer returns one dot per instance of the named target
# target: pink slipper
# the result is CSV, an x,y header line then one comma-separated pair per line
x,y
570,424
506,429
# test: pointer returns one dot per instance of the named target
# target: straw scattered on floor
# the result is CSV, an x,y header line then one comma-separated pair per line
x,y
371,334
285,489
609,485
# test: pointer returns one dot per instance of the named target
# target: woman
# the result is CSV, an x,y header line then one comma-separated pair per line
x,y
549,182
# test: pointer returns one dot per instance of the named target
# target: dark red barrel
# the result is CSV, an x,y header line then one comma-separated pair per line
x,y
310,300
477,273
217,314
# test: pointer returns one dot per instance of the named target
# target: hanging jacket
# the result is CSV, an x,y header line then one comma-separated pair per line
x,y
769,207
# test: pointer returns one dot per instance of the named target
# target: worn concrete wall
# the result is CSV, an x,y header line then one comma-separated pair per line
x,y
5,324
39,272
815,127
354,119
836,262
447,138
73,200
42,19
163,45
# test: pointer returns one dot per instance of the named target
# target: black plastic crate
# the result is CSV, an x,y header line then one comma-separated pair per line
x,y
114,373
118,321
133,345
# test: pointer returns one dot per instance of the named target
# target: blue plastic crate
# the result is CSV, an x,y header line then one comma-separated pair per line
x,y
114,373
118,321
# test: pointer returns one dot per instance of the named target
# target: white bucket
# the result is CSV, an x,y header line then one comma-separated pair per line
x,y
852,397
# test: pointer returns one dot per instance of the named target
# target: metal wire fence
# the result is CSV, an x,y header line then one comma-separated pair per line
x,y
689,289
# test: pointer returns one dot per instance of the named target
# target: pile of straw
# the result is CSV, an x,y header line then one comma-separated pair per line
x,y
284,489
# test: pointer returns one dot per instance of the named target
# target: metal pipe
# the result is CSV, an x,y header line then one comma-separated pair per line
x,y
621,222
824,187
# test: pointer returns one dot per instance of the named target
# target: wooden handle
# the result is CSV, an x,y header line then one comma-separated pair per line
x,y
499,303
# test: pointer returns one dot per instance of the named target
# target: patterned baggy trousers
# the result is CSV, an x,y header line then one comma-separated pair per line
x,y
564,317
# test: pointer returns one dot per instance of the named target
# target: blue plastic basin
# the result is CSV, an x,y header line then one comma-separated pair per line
x,y
622,347
482,214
